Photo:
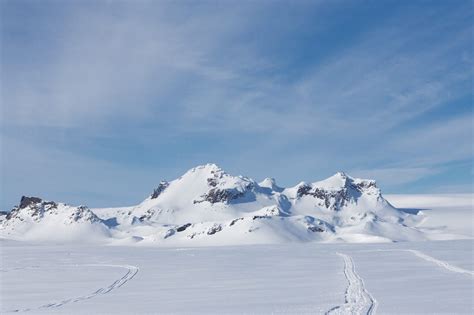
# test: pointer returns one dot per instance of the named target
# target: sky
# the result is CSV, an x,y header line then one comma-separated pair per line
x,y
101,100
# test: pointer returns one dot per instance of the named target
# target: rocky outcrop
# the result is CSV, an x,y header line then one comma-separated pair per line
x,y
337,197
28,201
214,229
36,209
333,200
220,195
315,229
83,214
235,221
33,207
183,227
157,191
147,215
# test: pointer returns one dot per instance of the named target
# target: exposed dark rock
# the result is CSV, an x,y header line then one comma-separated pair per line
x,y
212,181
161,187
303,190
333,200
183,227
255,217
82,213
220,195
217,174
50,204
235,221
315,229
27,201
12,213
147,216
37,206
361,186
214,229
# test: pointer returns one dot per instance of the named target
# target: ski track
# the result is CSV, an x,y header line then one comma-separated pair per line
x,y
357,299
131,272
430,259
440,263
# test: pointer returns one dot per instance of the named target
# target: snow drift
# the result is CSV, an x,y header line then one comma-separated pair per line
x,y
207,206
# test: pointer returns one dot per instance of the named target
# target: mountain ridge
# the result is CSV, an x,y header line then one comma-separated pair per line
x,y
208,206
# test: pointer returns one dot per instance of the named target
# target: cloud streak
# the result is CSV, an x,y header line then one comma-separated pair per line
x,y
299,90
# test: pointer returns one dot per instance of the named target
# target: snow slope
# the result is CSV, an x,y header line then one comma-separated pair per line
x,y
207,206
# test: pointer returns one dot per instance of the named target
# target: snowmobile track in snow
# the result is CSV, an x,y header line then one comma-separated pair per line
x,y
357,299
440,263
131,272
430,259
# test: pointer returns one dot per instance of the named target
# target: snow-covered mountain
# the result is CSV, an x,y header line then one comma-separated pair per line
x,y
207,206
37,219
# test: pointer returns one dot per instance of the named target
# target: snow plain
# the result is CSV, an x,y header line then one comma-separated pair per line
x,y
293,278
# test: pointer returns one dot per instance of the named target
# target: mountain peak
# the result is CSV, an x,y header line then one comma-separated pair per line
x,y
336,181
28,201
340,174
209,167
270,182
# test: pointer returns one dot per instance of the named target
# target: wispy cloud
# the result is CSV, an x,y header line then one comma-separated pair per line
x,y
298,90
142,65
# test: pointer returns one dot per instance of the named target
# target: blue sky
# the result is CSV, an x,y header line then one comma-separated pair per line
x,y
102,100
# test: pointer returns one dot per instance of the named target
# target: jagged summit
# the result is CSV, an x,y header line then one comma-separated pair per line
x,y
207,205
28,201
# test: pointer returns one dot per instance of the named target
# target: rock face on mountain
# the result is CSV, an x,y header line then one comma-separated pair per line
x,y
207,206
157,191
339,191
223,188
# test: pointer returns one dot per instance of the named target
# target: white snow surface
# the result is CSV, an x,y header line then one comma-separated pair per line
x,y
302,278
283,269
